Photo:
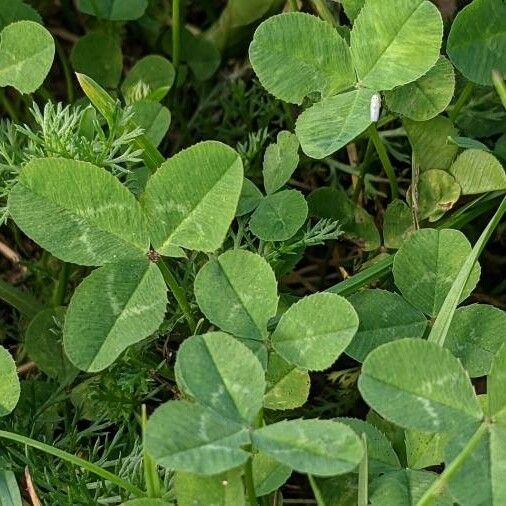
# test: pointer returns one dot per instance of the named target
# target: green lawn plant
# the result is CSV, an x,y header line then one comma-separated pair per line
x,y
253,252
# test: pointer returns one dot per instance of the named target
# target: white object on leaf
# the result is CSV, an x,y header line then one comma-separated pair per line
x,y
375,107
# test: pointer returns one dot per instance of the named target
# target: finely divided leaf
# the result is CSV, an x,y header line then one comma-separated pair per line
x,y
114,307
78,212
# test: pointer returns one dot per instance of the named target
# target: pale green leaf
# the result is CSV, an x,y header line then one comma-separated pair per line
x,y
384,317
26,55
153,74
329,125
114,10
424,449
297,54
475,335
394,42
78,212
238,292
9,383
497,387
419,385
428,263
192,198
250,197
429,142
16,10
153,118
404,488
437,193
43,343
320,447
352,8
222,374
467,143
477,171
380,454
224,489
268,474
426,97
315,331
98,55
397,224
116,306
9,489
187,437
279,216
477,40
287,385
280,161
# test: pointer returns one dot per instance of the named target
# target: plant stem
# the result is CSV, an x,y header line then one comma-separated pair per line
x,y
438,485
499,86
151,477
294,6
178,293
363,473
25,303
385,160
462,100
66,71
6,104
250,485
176,33
76,461
61,285
324,12
363,170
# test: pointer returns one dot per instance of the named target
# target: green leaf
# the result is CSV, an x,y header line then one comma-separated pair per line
x,y
16,10
280,161
380,454
9,490
477,171
384,317
187,437
98,55
426,97
114,10
467,143
268,474
320,447
250,197
154,73
352,8
424,449
419,385
397,224
78,212
192,198
279,216
238,292
394,43
43,343
26,55
315,331
427,264
429,142
114,307
477,40
357,224
297,54
475,336
224,489
404,488
147,502
153,118
221,374
497,387
9,383
437,193
287,386
329,125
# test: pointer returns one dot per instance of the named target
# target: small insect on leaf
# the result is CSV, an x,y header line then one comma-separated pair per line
x,y
375,107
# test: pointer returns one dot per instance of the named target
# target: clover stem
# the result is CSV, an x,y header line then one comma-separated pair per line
x,y
25,303
443,479
176,33
178,293
499,86
76,461
462,100
294,6
250,484
61,285
151,477
385,160
324,12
